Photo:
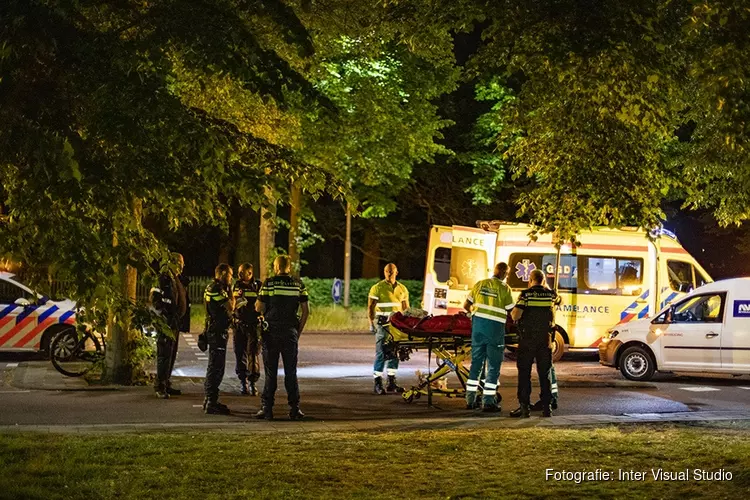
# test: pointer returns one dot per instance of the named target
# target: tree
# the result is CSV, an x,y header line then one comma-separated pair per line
x,y
102,123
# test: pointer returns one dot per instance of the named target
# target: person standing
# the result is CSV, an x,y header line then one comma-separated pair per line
x,y
169,299
489,302
535,317
219,306
386,297
280,300
246,338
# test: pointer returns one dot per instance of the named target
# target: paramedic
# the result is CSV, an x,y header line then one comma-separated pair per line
x,y
489,301
386,297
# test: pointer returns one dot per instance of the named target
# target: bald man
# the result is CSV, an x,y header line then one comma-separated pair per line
x,y
386,297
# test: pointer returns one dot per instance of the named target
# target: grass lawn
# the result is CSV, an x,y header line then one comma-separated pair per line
x,y
417,464
322,319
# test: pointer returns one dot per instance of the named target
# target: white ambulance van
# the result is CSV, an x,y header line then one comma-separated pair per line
x,y
708,330
613,276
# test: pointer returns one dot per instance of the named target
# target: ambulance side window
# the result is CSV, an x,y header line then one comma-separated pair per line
x,y
521,265
467,266
680,276
442,264
611,275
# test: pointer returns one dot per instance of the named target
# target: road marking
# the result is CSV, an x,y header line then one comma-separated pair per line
x,y
14,392
746,388
11,365
197,406
179,372
700,389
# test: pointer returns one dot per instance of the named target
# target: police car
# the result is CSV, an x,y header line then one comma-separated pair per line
x,y
708,331
29,321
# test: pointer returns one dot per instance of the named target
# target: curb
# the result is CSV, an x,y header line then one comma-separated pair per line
x,y
405,425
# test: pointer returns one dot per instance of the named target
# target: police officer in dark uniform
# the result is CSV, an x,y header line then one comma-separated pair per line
x,y
535,317
246,338
219,306
170,300
280,298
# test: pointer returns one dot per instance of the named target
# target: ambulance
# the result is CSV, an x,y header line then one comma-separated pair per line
x,y
610,278
29,321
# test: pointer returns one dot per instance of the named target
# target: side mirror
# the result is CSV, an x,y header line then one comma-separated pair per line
x,y
22,302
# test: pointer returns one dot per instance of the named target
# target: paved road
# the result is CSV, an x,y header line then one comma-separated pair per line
x,y
335,378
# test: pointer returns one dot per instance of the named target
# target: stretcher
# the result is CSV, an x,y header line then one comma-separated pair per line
x,y
448,338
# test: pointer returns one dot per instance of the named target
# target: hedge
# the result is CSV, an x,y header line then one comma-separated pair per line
x,y
320,291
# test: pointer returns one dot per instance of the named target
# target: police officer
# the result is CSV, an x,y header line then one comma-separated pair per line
x,y
535,316
489,301
170,300
279,300
246,339
386,297
219,306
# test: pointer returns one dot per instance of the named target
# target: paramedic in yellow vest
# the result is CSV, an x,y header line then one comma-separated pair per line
x,y
490,302
386,297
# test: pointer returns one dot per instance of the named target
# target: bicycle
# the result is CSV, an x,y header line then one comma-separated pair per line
x,y
73,354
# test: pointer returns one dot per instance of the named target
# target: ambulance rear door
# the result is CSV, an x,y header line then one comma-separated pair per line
x,y
472,259
437,270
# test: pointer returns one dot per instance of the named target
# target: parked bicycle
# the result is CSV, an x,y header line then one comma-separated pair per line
x,y
73,353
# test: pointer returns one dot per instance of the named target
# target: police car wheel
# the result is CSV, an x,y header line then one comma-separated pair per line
x,y
636,364
558,347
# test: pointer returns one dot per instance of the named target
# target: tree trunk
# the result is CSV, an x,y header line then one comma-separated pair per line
x,y
294,236
371,259
267,234
348,255
246,237
118,369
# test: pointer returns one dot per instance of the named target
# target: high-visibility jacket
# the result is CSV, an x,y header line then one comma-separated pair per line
x,y
491,299
389,297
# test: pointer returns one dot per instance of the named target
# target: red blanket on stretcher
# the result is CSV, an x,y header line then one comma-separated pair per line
x,y
456,324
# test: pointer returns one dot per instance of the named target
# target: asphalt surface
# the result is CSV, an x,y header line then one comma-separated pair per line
x,y
335,372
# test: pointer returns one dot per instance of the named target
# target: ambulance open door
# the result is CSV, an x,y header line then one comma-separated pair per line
x,y
458,257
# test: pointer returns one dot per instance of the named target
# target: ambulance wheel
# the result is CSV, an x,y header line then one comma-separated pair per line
x,y
558,347
636,364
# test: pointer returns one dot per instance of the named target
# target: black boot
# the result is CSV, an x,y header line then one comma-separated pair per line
x,y
538,406
243,388
392,386
520,412
547,412
378,389
216,409
296,414
553,405
253,391
264,413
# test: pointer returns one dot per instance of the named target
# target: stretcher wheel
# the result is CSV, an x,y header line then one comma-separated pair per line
x,y
417,395
409,395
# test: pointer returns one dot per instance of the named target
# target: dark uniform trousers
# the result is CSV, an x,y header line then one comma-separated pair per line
x,y
280,341
166,354
217,357
535,347
247,351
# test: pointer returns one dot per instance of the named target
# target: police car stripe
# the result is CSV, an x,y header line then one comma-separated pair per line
x,y
66,316
25,314
7,310
35,332
46,314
